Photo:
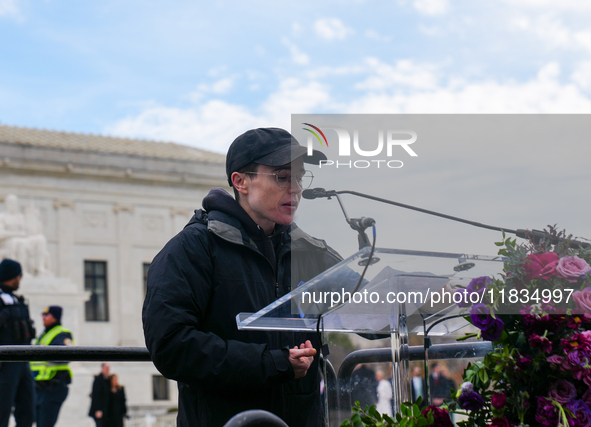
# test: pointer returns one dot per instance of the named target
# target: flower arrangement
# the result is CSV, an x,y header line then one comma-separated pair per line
x,y
538,315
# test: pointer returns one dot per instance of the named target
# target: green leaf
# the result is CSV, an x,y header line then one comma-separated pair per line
x,y
374,413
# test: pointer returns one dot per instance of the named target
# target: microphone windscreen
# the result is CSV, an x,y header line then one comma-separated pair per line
x,y
309,194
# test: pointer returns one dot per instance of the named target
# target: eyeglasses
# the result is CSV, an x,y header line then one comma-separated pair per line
x,y
285,179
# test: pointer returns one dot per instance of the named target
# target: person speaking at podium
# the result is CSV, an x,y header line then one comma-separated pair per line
x,y
235,255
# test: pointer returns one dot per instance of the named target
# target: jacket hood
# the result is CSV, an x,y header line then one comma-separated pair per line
x,y
226,218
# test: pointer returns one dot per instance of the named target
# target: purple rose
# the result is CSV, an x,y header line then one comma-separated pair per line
x,y
481,316
494,331
583,301
562,391
476,285
587,397
546,415
479,284
556,362
571,268
471,401
581,412
491,327
467,387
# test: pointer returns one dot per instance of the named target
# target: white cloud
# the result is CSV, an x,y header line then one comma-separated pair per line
x,y
374,35
331,29
562,5
431,7
404,73
222,86
296,28
212,126
402,87
328,71
544,94
219,87
9,8
295,97
582,75
297,56
552,31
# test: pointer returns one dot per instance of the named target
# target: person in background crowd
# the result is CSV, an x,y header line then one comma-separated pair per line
x,y
364,386
418,386
384,390
439,385
100,396
17,386
116,407
51,378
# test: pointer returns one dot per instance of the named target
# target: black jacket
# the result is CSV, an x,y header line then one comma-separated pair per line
x,y
16,326
117,408
220,265
100,396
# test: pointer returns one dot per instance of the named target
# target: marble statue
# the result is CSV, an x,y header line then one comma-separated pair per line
x,y
21,237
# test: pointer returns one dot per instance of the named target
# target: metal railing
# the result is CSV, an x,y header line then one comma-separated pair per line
x,y
342,378
27,353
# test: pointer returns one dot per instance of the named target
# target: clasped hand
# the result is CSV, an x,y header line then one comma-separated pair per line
x,y
301,358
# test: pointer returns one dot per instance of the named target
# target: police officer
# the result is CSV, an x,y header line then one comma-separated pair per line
x,y
51,378
16,328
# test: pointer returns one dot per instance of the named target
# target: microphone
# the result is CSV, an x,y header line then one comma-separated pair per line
x,y
314,193
361,223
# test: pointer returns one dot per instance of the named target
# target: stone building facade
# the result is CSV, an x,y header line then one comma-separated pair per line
x,y
95,210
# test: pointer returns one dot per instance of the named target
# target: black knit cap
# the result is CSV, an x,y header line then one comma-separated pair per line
x,y
269,147
55,311
9,269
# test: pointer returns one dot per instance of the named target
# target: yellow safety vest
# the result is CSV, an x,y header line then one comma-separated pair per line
x,y
44,371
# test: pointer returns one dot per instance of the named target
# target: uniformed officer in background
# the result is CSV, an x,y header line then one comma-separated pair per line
x,y
16,328
51,378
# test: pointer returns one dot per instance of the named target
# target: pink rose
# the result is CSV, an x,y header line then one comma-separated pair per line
x,y
583,300
540,266
571,268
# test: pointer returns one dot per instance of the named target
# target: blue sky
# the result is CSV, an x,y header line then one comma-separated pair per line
x,y
201,72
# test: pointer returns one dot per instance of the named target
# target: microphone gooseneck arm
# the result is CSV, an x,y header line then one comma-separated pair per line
x,y
357,224
536,235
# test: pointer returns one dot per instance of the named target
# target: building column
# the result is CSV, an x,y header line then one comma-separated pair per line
x,y
65,247
126,317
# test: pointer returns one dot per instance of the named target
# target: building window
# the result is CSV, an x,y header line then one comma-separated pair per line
x,y
95,281
160,388
146,266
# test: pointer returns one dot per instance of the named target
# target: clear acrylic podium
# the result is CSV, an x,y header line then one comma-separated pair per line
x,y
368,321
